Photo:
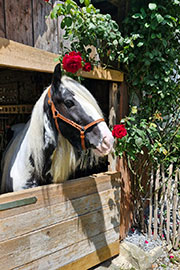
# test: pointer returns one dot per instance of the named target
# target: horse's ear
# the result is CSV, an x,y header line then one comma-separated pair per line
x,y
56,79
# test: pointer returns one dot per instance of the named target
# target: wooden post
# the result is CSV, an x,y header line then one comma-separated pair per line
x,y
114,92
168,201
150,204
175,201
156,204
162,201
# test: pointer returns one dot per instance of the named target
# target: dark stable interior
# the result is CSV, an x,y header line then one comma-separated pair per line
x,y
19,90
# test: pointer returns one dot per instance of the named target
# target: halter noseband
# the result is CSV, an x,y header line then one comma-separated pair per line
x,y
82,129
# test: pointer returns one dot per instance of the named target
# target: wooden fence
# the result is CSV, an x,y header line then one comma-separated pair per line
x,y
164,207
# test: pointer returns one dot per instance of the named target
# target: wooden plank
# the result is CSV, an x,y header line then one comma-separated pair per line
x,y
28,247
94,258
2,20
56,193
79,256
103,74
21,224
45,29
20,56
19,21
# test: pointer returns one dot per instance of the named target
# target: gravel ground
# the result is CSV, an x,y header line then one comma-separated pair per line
x,y
169,260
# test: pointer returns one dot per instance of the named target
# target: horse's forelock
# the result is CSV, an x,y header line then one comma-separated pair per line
x,y
82,93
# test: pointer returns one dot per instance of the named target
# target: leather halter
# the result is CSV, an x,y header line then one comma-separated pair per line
x,y
57,115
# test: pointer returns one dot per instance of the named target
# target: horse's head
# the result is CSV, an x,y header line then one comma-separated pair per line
x,y
69,100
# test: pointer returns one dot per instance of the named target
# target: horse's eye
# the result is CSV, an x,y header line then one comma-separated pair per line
x,y
69,103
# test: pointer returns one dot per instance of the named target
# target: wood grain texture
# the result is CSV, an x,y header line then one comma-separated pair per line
x,y
79,256
69,223
28,247
19,224
2,19
45,29
19,21
94,258
103,74
20,56
57,193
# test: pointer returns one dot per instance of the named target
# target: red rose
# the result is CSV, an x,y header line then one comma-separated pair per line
x,y
119,131
87,67
72,62
73,53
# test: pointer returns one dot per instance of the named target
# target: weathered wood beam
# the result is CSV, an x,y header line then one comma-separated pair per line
x,y
20,56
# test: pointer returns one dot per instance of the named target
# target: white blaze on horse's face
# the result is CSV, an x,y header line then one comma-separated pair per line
x,y
103,139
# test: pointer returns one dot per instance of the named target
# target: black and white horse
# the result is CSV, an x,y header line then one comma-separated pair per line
x,y
65,120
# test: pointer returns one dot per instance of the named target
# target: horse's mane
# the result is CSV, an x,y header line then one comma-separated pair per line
x,y
64,160
35,133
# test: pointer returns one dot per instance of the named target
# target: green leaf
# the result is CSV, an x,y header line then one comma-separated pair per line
x,y
115,42
153,35
147,25
68,21
56,59
139,142
152,6
164,42
81,1
63,23
140,44
136,16
159,18
86,2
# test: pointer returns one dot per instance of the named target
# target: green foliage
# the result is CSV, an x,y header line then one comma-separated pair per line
x,y
148,52
87,26
152,63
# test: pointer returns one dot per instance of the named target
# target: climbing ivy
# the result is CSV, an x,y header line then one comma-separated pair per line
x,y
151,62
86,26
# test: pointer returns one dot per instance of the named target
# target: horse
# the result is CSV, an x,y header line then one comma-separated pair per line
x,y
65,123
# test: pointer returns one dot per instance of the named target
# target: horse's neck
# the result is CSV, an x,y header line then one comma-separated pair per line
x,y
64,160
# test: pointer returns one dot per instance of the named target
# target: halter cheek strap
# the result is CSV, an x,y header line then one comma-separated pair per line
x,y
82,129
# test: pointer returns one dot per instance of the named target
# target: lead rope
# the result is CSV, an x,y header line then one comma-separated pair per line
x,y
82,129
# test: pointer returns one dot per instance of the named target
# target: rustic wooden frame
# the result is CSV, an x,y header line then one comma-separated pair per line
x,y
74,225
